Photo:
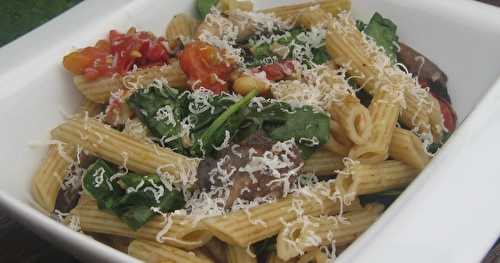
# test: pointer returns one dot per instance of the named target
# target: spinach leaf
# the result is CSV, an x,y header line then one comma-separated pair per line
x,y
229,120
360,25
306,126
97,182
434,147
320,56
157,107
383,31
204,7
132,196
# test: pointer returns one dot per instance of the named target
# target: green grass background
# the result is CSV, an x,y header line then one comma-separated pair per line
x,y
18,17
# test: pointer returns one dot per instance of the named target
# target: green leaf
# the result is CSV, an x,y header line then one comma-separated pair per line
x,y
304,124
130,197
360,25
229,120
146,103
383,31
96,182
204,7
434,147
320,55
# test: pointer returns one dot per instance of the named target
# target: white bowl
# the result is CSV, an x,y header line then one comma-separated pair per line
x,y
448,214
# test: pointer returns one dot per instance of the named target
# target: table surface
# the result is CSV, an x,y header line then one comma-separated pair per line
x,y
18,243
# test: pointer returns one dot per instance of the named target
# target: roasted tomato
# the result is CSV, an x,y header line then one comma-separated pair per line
x,y
449,115
117,54
205,66
279,70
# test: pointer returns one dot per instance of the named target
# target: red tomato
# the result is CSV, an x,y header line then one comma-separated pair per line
x,y
449,116
204,66
117,54
279,70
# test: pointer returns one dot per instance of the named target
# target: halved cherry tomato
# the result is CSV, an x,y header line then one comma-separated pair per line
x,y
279,70
204,66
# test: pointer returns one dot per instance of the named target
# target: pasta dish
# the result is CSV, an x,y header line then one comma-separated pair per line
x,y
276,135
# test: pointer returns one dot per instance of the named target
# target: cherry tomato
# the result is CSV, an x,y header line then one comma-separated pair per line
x,y
204,66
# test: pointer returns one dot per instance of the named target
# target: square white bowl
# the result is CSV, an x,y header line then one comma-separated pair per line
x,y
448,214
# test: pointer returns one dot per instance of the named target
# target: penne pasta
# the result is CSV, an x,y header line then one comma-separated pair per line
x,y
313,17
181,26
91,108
115,147
100,90
384,113
237,254
273,258
406,147
314,256
305,235
353,118
230,5
244,228
48,180
153,252
338,142
290,11
359,179
217,249
181,233
372,68
323,163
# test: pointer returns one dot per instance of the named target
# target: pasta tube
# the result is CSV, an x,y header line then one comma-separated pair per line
x,y
244,228
114,146
353,118
384,113
180,234
100,90
217,249
372,68
314,256
323,163
313,17
229,5
91,108
338,142
406,147
317,231
359,179
153,252
181,26
49,178
331,6
273,258
237,254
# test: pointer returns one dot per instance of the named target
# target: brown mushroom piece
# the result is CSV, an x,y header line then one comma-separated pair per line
x,y
418,64
248,169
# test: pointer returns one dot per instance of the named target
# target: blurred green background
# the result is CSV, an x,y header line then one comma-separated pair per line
x,y
18,17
